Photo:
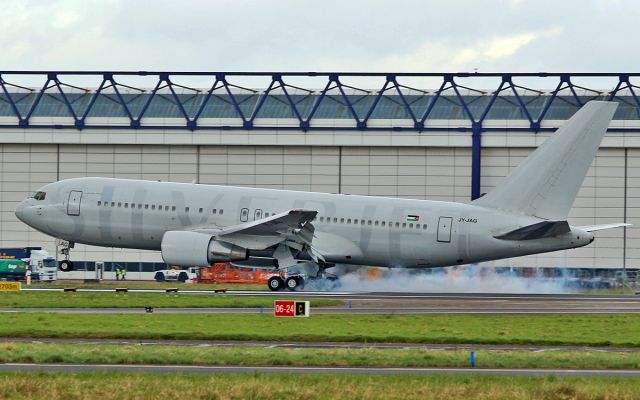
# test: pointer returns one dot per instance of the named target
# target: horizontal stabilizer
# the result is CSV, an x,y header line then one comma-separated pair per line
x,y
537,231
593,228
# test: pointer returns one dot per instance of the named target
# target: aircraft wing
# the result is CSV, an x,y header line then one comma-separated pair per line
x,y
593,228
292,228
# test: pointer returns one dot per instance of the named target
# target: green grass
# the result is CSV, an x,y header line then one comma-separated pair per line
x,y
146,285
252,356
589,330
109,386
136,300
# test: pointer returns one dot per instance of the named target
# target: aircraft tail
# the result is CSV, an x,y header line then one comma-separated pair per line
x,y
545,185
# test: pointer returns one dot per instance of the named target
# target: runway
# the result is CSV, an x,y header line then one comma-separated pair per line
x,y
200,369
318,345
390,303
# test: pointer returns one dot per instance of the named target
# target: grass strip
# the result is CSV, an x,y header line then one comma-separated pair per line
x,y
553,329
134,300
265,356
147,285
107,386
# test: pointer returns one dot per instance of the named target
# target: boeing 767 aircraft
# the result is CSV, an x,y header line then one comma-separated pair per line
x,y
196,225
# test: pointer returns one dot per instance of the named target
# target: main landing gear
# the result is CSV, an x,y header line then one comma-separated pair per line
x,y
63,248
295,278
293,283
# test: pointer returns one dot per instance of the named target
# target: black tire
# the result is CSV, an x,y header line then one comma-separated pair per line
x,y
65,266
159,277
183,277
275,283
294,283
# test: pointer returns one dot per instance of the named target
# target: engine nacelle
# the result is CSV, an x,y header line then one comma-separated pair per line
x,y
198,249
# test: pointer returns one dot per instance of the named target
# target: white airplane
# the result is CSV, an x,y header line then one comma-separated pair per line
x,y
196,225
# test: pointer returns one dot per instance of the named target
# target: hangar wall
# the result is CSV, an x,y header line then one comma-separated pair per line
x,y
439,172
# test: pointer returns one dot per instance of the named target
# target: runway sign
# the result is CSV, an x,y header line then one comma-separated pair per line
x,y
287,308
9,286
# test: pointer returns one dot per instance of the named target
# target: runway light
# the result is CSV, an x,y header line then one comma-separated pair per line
x,y
473,359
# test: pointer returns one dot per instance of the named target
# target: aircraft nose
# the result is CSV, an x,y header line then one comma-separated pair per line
x,y
20,210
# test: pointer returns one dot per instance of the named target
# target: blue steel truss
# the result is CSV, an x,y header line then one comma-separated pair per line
x,y
408,108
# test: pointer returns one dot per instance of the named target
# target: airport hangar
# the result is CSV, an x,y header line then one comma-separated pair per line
x,y
445,137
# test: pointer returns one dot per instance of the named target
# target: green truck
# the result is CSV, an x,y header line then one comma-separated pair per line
x,y
12,270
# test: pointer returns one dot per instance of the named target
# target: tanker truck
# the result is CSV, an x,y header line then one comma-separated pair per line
x,y
43,267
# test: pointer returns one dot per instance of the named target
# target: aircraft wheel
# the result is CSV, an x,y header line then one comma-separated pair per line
x,y
275,283
295,283
65,266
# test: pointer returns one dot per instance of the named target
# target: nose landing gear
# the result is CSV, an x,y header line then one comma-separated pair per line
x,y
63,247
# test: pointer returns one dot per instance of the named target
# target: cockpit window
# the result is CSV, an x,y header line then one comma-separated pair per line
x,y
39,195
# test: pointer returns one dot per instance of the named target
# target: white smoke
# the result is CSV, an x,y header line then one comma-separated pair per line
x,y
464,279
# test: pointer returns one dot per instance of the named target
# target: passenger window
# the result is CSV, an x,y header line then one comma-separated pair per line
x,y
342,220
369,222
213,211
113,204
166,208
355,221
221,211
404,224
139,206
99,203
383,223
146,206
321,219
361,222
335,220
133,205
119,204
417,226
424,226
153,206
200,210
126,205
349,221
186,209
376,223
173,208
410,225
397,224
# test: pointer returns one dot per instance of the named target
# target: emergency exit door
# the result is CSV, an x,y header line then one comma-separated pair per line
x,y
73,206
444,229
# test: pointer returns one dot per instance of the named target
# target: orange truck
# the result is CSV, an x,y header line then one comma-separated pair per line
x,y
227,273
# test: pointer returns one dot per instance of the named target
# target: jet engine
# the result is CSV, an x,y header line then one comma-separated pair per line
x,y
198,249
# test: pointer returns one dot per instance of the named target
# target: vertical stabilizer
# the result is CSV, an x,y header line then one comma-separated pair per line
x,y
545,185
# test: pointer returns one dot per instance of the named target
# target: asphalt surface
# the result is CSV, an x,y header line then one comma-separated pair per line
x,y
392,303
76,368
319,345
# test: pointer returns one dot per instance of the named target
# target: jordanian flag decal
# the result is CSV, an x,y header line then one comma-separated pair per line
x,y
413,218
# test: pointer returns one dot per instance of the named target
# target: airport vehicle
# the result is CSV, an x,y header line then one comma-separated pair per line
x,y
12,270
195,224
225,272
43,267
174,275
